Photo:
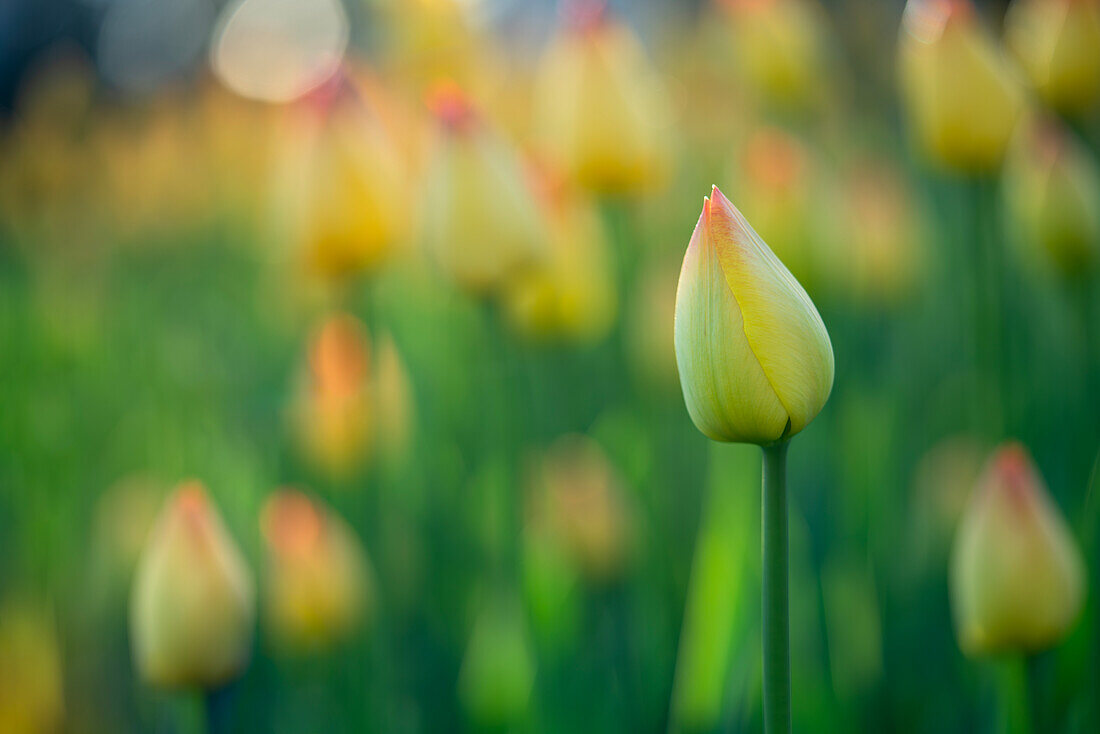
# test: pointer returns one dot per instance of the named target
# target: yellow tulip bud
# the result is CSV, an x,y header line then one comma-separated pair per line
x,y
1058,44
318,577
962,98
332,410
755,360
579,498
1017,578
650,325
479,217
600,109
347,185
779,46
1052,185
572,295
393,402
193,607
31,696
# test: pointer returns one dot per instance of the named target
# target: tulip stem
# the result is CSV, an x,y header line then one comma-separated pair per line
x,y
777,643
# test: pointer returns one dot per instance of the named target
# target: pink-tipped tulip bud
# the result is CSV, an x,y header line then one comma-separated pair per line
x,y
1017,577
755,360
193,604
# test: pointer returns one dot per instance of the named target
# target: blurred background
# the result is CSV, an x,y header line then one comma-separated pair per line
x,y
393,281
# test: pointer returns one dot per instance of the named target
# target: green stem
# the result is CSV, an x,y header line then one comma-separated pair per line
x,y
1012,684
777,643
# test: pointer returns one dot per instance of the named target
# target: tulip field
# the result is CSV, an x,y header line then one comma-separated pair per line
x,y
548,366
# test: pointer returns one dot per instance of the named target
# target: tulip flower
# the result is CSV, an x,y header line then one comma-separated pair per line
x,y
600,108
345,186
31,686
193,607
318,577
1058,44
572,295
780,47
479,218
1052,185
579,498
393,403
755,360
962,98
1017,576
756,366
333,408
498,670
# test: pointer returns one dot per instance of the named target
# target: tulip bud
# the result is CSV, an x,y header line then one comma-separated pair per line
x,y
318,577
1052,185
1058,44
479,218
755,360
779,46
345,187
600,108
393,402
572,295
650,325
579,498
962,98
332,411
193,606
31,695
498,670
1017,578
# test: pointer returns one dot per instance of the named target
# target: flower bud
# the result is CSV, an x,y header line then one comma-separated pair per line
x,y
572,295
600,109
755,360
479,219
650,325
1058,44
347,190
318,578
498,670
1052,185
779,46
193,607
332,410
962,99
579,498
1017,577
31,695
394,406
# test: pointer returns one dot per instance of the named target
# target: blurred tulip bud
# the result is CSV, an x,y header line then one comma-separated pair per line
x,y
572,295
651,322
879,234
600,108
780,47
394,406
333,411
318,577
479,218
123,517
31,688
778,188
1017,577
193,606
755,360
1058,44
498,670
962,98
1053,185
347,184
579,498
